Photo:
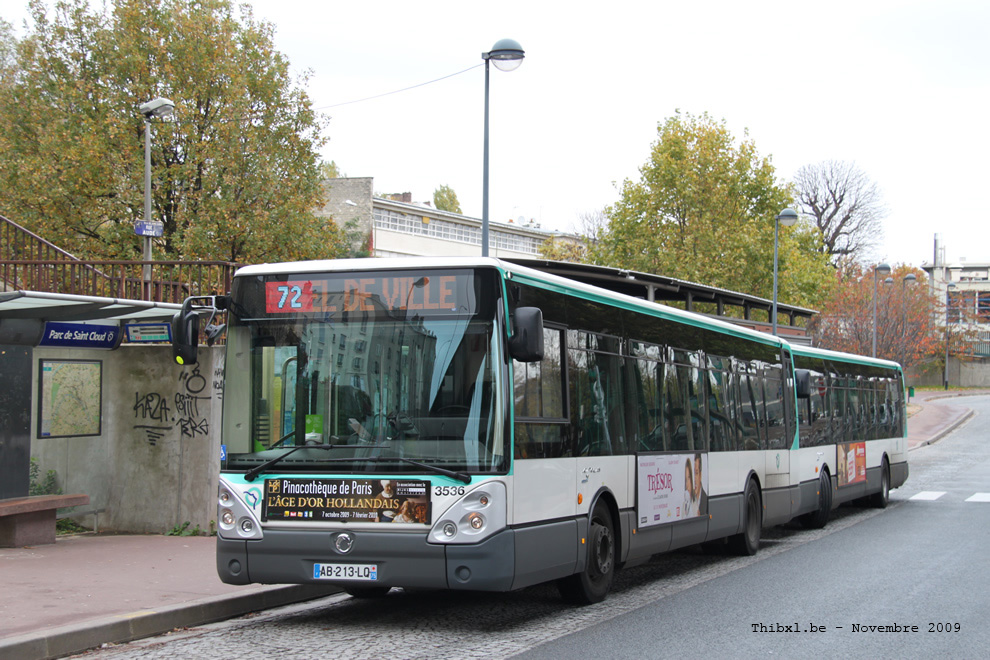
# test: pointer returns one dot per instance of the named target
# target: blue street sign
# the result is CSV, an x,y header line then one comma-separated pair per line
x,y
80,335
155,229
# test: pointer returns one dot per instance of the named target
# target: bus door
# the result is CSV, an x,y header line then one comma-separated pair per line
x,y
779,430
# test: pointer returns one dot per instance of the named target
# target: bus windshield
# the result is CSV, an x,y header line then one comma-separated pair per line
x,y
382,366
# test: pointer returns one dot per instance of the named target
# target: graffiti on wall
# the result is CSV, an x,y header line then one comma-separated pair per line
x,y
157,414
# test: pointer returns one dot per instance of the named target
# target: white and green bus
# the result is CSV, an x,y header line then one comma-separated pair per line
x,y
481,425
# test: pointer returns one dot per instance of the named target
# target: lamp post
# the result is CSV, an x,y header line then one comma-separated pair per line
x,y
787,217
507,55
948,290
909,280
879,269
158,108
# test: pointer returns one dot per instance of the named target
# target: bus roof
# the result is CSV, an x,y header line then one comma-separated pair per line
x,y
517,272
839,356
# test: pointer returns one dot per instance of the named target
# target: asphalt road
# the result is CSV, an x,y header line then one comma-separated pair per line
x,y
923,562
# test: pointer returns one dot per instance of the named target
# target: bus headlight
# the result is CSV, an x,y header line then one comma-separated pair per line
x,y
476,516
237,521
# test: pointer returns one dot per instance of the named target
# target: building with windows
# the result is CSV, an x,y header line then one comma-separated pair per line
x,y
964,287
398,227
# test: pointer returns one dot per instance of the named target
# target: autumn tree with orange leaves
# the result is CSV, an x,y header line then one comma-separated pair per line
x,y
907,316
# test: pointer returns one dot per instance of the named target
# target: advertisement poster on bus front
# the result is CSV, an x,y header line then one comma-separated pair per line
x,y
347,500
850,463
671,487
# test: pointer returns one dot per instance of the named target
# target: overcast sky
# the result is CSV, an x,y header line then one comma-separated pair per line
x,y
900,88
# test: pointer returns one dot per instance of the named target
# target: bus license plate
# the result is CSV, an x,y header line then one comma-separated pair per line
x,y
345,572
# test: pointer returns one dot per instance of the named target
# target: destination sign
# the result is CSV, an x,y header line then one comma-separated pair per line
x,y
437,293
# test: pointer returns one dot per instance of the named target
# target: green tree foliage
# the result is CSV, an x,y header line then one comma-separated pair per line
x,y
235,172
330,170
703,210
564,248
7,46
445,199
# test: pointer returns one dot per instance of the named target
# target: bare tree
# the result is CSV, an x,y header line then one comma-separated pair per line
x,y
846,205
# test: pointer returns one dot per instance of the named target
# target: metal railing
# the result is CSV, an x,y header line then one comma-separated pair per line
x,y
171,281
29,262
16,242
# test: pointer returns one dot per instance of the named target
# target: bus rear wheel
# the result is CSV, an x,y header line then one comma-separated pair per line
x,y
593,583
880,499
818,519
747,542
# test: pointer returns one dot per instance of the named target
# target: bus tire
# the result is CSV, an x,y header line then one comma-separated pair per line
x,y
818,519
880,499
367,592
747,542
593,583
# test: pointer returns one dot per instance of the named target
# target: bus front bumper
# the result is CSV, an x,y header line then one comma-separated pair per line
x,y
400,559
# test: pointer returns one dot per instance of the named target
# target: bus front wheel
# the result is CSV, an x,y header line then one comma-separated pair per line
x,y
593,583
747,542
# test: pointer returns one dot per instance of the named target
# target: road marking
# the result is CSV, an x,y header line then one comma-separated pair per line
x,y
928,495
979,497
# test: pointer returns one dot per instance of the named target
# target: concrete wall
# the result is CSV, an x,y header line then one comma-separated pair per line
x,y
155,463
349,201
412,245
972,373
962,373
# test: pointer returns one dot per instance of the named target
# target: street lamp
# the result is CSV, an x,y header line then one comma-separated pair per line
x,y
507,55
787,217
948,290
156,109
909,280
879,269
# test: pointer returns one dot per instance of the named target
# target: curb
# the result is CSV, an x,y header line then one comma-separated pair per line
x,y
945,431
79,637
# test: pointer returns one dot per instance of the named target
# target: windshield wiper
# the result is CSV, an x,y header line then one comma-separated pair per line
x,y
460,476
253,473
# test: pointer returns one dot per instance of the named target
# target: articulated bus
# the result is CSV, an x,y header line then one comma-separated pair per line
x,y
481,425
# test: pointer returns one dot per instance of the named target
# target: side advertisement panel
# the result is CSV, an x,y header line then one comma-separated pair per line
x,y
671,487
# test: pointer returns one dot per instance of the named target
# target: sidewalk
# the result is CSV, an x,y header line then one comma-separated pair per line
x,y
933,414
88,590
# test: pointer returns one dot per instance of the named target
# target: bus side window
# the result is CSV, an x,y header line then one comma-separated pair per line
x,y
675,403
645,390
720,425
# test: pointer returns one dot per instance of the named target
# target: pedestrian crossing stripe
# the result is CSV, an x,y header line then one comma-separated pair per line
x,y
932,495
928,495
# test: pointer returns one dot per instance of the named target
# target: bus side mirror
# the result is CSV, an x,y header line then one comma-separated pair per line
x,y
526,343
802,383
185,334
